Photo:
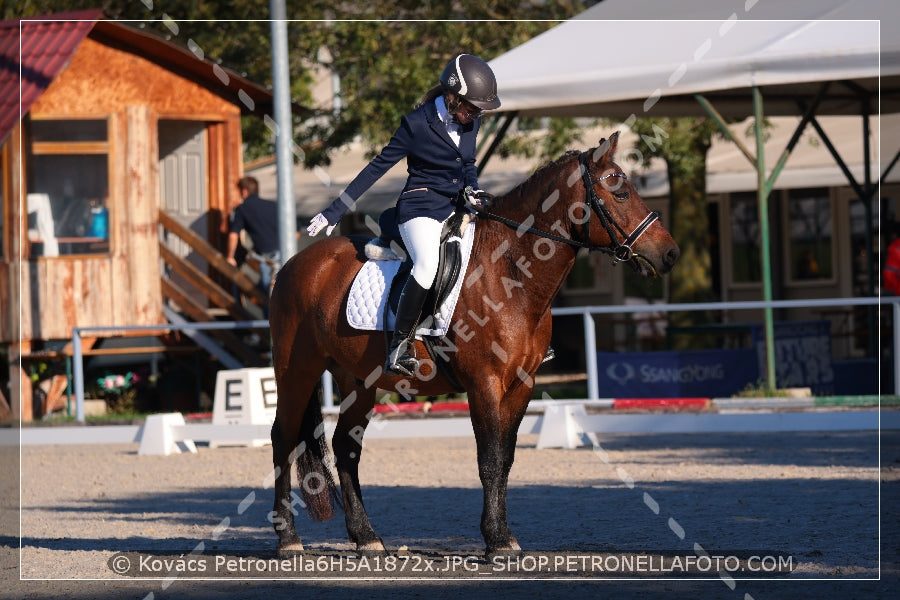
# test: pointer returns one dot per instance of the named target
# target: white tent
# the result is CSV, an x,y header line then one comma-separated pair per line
x,y
823,57
606,62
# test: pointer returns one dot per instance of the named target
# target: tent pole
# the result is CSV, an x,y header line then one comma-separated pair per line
x,y
861,192
484,135
808,114
763,190
889,168
871,190
867,200
497,139
764,187
723,126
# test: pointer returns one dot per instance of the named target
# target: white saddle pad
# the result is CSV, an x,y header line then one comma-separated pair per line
x,y
368,294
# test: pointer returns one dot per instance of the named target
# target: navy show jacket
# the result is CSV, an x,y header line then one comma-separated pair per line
x,y
437,168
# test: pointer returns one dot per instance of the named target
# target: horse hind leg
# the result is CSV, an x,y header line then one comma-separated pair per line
x,y
314,463
282,515
347,442
301,441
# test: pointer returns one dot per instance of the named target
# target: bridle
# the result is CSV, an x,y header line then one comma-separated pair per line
x,y
620,251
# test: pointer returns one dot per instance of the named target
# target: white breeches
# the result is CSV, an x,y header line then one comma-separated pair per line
x,y
422,237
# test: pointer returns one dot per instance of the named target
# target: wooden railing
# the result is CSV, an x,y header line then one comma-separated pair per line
x,y
202,283
215,259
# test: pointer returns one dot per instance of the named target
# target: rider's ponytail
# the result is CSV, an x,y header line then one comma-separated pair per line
x,y
430,95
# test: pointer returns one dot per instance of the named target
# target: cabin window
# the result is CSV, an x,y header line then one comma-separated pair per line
x,y
745,236
810,227
68,189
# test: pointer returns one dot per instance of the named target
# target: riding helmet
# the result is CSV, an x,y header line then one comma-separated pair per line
x,y
472,79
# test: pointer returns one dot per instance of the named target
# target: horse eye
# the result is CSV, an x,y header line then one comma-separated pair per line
x,y
623,195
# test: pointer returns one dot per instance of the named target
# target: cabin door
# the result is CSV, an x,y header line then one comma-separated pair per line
x,y
183,191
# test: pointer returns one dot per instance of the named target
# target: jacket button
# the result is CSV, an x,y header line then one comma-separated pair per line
x,y
458,159
455,180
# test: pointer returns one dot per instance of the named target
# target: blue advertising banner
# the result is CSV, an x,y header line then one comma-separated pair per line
x,y
802,355
802,359
682,374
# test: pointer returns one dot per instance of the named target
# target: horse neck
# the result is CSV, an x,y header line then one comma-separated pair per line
x,y
541,264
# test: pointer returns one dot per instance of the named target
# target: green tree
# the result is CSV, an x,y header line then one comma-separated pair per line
x,y
683,142
385,66
386,53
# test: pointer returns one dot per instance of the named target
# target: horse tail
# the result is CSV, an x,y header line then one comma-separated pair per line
x,y
314,463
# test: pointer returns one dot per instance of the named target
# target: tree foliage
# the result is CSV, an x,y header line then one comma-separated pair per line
x,y
683,142
387,54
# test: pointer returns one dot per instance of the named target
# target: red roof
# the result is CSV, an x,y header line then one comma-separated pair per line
x,y
46,45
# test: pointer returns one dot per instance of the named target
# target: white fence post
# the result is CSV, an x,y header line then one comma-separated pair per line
x,y
590,355
560,427
158,436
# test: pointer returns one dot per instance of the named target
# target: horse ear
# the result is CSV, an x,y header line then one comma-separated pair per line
x,y
607,148
613,143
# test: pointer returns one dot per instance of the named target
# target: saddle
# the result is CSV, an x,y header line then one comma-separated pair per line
x,y
389,246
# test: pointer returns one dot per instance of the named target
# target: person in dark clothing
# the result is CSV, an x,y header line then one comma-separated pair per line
x,y
259,218
891,271
438,141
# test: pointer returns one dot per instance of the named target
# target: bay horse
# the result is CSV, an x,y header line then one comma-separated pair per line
x,y
524,247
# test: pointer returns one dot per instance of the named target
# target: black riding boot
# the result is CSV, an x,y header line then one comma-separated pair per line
x,y
400,359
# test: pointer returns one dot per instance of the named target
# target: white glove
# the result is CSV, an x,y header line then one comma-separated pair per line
x,y
472,197
317,224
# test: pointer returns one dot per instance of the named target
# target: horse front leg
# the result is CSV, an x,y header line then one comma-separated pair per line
x,y
496,426
348,445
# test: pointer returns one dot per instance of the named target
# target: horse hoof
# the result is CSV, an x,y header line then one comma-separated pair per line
x,y
511,548
502,553
290,549
375,548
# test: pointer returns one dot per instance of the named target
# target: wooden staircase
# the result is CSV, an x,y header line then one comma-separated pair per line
x,y
193,282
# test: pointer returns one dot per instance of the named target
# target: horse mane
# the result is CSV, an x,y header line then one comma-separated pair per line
x,y
539,174
527,197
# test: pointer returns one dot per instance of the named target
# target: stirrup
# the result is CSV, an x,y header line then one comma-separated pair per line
x,y
549,355
402,362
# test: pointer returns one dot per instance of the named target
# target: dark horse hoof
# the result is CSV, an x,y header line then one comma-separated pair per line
x,y
491,554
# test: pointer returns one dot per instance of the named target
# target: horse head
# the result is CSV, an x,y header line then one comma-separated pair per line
x,y
618,221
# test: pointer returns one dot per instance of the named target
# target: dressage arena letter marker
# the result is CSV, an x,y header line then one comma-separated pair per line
x,y
269,392
244,396
230,394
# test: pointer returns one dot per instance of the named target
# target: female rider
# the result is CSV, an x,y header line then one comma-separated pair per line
x,y
438,140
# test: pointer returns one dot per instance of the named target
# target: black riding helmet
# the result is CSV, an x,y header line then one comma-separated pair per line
x,y
472,79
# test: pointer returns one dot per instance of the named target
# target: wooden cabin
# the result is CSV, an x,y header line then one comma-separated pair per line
x,y
119,154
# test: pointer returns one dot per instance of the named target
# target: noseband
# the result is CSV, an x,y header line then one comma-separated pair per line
x,y
620,251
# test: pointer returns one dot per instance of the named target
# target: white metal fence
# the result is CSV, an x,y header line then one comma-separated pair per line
x,y
587,312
